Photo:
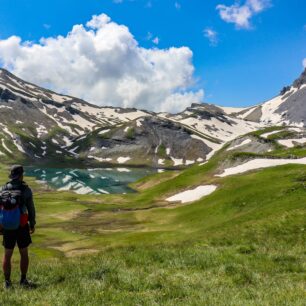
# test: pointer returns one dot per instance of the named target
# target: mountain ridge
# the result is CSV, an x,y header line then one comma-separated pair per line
x,y
41,125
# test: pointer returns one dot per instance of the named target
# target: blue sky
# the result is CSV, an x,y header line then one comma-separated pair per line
x,y
237,66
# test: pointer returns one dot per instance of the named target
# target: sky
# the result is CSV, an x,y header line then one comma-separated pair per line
x,y
160,55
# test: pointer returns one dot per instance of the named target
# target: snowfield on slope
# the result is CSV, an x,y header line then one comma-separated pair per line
x,y
122,160
232,110
219,130
266,135
193,194
260,163
289,143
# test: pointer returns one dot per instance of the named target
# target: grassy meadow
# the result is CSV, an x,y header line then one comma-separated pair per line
x,y
242,245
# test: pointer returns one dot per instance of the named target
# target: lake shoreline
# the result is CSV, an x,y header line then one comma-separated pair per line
x,y
89,180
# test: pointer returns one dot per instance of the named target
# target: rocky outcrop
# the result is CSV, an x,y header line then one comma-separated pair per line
x,y
149,140
301,80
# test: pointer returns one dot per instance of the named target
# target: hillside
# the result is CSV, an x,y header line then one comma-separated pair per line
x,y
227,229
241,245
288,108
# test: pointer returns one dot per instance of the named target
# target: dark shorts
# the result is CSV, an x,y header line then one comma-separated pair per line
x,y
21,236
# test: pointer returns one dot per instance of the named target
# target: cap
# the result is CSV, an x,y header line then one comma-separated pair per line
x,y
16,172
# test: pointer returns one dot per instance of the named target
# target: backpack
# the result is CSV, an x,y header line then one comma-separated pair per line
x,y
10,207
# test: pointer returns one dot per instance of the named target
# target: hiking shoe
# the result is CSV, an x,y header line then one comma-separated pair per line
x,y
26,284
7,284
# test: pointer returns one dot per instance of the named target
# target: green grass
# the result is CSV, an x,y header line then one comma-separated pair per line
x,y
281,135
278,152
130,134
184,274
162,151
258,133
56,131
242,245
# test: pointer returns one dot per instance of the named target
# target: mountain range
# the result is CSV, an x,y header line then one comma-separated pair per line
x,y
41,126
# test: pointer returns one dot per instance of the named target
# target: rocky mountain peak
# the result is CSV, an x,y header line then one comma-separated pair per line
x,y
6,76
297,83
3,71
301,80
211,108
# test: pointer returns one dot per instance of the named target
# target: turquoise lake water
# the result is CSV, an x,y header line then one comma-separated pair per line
x,y
89,181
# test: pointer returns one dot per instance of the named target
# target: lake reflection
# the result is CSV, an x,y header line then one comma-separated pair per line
x,y
89,181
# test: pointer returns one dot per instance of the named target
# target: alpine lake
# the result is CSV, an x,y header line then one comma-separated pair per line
x,y
89,181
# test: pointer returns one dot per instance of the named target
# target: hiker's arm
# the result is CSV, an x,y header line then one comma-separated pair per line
x,y
31,209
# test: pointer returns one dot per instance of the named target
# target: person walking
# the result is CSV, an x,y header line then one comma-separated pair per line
x,y
17,216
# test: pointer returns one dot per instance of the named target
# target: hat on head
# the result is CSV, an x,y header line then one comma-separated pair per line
x,y
16,172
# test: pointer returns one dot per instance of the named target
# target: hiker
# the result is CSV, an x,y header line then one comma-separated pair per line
x,y
17,223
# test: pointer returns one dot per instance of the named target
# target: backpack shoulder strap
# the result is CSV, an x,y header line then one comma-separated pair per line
x,y
4,187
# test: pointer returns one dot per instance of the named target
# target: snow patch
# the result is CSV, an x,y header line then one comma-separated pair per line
x,y
123,170
138,122
100,159
104,132
5,147
4,106
290,142
266,135
231,110
72,151
260,163
189,162
19,147
122,160
177,161
67,141
6,130
103,191
296,129
193,194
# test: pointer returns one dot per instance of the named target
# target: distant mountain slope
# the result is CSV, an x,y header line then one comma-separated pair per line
x,y
149,141
288,108
71,114
37,122
42,126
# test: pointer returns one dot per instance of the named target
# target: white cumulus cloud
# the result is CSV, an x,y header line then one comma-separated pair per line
x,y
102,63
240,15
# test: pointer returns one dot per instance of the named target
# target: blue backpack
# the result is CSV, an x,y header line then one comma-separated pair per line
x,y
10,201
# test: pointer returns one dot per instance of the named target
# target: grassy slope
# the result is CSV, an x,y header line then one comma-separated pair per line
x,y
242,245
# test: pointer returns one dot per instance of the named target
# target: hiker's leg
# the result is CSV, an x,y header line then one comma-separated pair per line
x,y
24,262
6,265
